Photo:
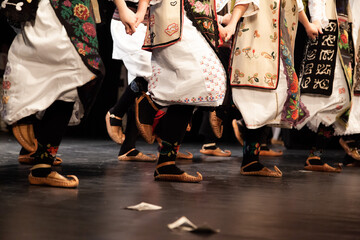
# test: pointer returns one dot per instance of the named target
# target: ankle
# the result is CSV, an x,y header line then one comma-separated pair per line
x,y
210,146
253,166
264,147
45,154
167,168
314,160
41,170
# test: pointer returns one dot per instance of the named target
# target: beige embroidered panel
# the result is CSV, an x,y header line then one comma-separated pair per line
x,y
255,59
164,24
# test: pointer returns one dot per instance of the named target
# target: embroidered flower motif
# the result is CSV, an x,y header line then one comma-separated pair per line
x,y
250,53
253,78
200,7
5,99
341,90
77,19
94,62
89,29
67,3
274,37
81,11
273,7
295,114
6,85
237,52
207,24
270,79
82,51
52,150
242,29
344,38
293,87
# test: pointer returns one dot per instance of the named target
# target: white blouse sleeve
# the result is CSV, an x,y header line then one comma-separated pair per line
x,y
300,5
317,12
253,6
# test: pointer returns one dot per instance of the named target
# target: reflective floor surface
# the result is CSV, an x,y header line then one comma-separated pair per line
x,y
301,205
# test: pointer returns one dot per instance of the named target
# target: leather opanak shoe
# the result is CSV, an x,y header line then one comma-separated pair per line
x,y
114,128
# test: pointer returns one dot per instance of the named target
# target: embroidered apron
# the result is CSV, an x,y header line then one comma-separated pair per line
x,y
258,49
318,66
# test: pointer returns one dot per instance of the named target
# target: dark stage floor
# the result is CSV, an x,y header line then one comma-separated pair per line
x,y
301,205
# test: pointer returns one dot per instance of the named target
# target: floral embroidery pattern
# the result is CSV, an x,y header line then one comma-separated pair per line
x,y
80,11
257,45
345,43
271,56
5,87
341,90
200,7
274,37
253,79
214,81
237,51
238,75
242,29
343,40
203,17
274,23
294,111
273,7
250,53
79,23
251,149
270,79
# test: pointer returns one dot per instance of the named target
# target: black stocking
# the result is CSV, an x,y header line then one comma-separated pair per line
x,y
171,129
49,132
133,90
131,134
323,136
251,149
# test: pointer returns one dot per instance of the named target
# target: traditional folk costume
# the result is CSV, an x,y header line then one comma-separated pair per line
x,y
212,125
263,79
186,73
327,78
138,64
53,71
137,61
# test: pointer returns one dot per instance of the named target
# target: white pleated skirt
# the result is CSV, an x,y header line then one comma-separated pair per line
x,y
325,109
43,66
187,72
